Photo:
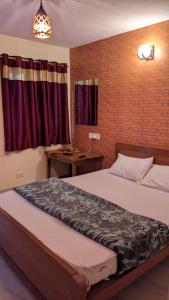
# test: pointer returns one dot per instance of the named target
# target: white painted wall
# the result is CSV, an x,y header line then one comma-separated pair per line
x,y
31,161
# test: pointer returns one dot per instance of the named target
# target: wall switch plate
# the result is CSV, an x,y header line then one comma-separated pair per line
x,y
94,136
19,174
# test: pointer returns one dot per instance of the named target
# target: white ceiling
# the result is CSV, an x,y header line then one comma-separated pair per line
x,y
77,22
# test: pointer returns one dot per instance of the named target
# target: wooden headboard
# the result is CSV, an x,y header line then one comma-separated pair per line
x,y
161,156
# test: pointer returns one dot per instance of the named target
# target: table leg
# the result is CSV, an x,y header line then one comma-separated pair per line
x,y
73,170
49,166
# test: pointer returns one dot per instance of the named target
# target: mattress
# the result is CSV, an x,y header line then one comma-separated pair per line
x,y
92,260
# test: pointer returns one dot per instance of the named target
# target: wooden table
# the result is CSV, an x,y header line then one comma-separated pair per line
x,y
74,160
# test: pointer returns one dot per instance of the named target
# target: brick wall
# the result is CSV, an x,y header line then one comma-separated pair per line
x,y
133,94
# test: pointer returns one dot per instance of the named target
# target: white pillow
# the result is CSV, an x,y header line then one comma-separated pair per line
x,y
130,167
157,177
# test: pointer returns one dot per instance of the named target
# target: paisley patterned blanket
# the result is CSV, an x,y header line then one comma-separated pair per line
x,y
134,238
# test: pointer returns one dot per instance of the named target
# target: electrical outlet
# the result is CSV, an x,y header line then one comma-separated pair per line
x,y
94,136
19,174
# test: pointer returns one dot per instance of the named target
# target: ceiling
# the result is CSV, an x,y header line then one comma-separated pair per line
x,y
77,22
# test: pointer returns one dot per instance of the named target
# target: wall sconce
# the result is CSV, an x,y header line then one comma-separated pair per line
x,y
146,52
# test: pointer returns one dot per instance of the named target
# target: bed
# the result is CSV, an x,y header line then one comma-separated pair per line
x,y
58,262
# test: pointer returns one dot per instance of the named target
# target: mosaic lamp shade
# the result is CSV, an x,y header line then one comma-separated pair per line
x,y
42,24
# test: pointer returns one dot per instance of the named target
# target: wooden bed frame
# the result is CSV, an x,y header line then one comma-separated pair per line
x,y
49,276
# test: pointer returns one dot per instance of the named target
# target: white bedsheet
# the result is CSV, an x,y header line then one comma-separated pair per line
x,y
89,258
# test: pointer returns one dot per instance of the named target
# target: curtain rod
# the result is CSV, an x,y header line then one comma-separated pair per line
x,y
36,60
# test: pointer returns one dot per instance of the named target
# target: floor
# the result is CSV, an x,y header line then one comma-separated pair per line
x,y
153,286
11,288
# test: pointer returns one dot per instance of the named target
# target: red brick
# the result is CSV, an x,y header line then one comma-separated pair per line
x,y
133,94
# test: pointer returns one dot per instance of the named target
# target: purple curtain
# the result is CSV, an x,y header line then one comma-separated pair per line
x,y
35,103
86,102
